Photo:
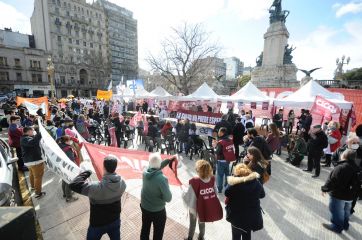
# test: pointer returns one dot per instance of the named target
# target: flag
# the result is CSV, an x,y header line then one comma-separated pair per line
x,y
34,104
325,108
131,163
110,86
105,95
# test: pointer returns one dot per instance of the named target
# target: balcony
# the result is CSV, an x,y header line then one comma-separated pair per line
x,y
6,66
18,67
38,69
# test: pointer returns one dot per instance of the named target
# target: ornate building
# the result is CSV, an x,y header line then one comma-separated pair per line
x,y
72,31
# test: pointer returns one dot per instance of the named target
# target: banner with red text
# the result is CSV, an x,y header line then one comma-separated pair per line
x,y
199,117
194,106
131,163
325,108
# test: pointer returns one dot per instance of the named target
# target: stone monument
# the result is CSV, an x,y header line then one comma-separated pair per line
x,y
274,66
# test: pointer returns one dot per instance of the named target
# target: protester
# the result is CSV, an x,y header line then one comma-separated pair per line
x,y
154,195
256,162
119,128
316,144
307,124
334,141
249,122
15,132
51,129
301,121
238,135
290,121
223,123
273,138
297,149
278,119
104,198
201,199
243,208
29,121
167,129
65,143
224,155
30,148
342,185
82,127
253,139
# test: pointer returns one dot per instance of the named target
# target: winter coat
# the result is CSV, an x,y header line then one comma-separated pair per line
x,y
336,156
243,208
260,143
317,144
219,148
52,131
336,134
342,181
30,148
15,134
225,124
167,128
69,151
273,142
82,128
238,133
155,189
104,196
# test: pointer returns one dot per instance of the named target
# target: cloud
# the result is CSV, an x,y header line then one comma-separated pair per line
x,y
249,10
12,18
351,7
321,48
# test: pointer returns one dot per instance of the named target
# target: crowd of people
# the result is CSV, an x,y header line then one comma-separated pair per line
x,y
243,164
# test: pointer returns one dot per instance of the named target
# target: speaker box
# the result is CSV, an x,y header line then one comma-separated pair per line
x,y
17,223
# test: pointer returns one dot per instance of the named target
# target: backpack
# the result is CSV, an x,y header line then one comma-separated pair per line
x,y
228,150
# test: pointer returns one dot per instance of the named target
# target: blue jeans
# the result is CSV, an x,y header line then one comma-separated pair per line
x,y
222,171
340,211
112,229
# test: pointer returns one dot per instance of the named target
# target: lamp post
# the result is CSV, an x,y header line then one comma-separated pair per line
x,y
50,74
340,62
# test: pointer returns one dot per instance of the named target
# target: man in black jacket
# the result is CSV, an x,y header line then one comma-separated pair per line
x,y
238,134
259,142
342,186
105,200
316,144
32,158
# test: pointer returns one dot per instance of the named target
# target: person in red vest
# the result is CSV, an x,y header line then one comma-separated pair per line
x,y
334,141
201,199
242,201
224,155
15,132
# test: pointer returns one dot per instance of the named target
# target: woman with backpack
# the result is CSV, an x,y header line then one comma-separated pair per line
x,y
201,199
65,143
256,163
242,201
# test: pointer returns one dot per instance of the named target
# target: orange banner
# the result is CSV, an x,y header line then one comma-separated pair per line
x,y
32,104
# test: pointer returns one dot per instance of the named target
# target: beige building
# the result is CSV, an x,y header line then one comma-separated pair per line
x,y
73,31
23,68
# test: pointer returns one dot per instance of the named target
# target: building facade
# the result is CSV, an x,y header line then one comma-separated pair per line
x,y
234,67
72,31
122,42
23,68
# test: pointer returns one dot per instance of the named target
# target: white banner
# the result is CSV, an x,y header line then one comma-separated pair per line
x,y
57,161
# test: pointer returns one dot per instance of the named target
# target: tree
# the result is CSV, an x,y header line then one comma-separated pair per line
x,y
179,61
244,80
355,74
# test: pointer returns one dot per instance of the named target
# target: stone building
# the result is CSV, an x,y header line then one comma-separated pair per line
x,y
72,31
122,41
23,68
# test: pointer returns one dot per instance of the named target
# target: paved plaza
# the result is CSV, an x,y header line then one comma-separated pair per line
x,y
294,209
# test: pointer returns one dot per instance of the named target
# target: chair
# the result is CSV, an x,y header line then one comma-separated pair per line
x,y
265,124
170,141
128,136
161,145
196,146
149,144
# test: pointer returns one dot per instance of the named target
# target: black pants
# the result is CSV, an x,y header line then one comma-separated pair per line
x,y
328,159
238,234
314,161
118,136
20,162
158,219
237,150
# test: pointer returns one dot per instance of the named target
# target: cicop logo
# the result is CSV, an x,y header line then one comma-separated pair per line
x,y
207,191
327,105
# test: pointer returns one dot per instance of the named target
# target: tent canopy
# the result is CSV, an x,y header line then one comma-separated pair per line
x,y
160,92
304,97
137,93
248,93
204,92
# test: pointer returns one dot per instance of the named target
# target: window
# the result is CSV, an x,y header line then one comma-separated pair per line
x,y
34,64
19,77
70,49
90,20
3,61
84,34
4,76
100,47
57,10
59,38
36,77
70,40
77,42
91,45
68,13
62,79
58,29
87,13
77,33
17,62
84,44
78,50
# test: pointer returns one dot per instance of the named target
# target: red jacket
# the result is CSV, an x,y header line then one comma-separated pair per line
x,y
15,134
337,135
208,206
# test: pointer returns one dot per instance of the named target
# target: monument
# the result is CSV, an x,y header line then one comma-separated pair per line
x,y
274,66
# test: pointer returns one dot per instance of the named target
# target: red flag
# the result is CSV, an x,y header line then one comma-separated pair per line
x,y
131,162
324,107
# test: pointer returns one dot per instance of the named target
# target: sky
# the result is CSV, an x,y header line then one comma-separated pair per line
x,y
321,30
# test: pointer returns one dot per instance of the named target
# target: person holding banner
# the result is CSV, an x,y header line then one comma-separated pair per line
x,y
32,157
15,133
105,200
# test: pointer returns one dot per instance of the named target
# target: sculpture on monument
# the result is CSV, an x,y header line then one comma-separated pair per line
x,y
276,12
338,73
307,76
259,60
288,54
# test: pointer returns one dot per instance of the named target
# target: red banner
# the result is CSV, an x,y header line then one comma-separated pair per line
x,y
325,108
130,162
189,105
253,105
265,106
200,117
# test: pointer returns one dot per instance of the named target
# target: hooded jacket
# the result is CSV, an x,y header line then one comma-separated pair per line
x,y
104,196
243,205
155,189
30,148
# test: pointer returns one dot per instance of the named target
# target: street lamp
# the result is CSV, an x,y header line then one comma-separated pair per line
x,y
50,74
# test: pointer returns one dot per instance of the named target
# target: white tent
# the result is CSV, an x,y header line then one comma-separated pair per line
x,y
137,93
248,93
204,92
304,97
160,92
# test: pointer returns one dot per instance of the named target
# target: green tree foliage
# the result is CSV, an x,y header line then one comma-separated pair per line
x,y
355,74
244,80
